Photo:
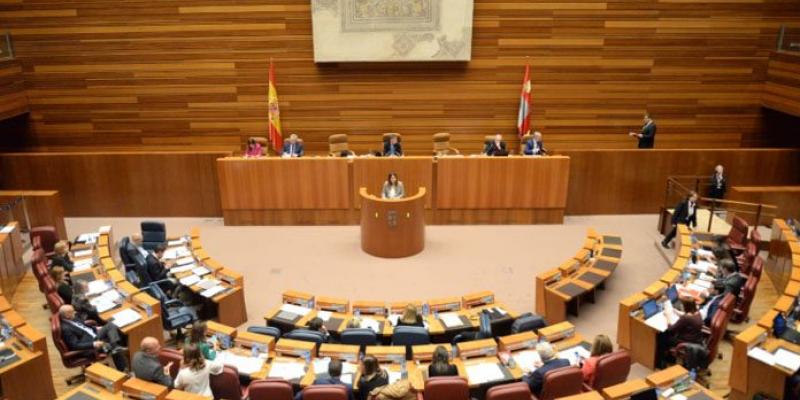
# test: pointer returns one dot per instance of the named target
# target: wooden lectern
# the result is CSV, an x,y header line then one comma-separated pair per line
x,y
392,228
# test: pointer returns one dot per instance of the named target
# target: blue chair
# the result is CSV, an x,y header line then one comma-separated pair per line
x,y
153,234
360,336
409,336
306,335
266,331
528,322
174,314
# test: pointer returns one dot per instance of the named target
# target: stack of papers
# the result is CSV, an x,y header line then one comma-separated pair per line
x,y
287,370
702,283
245,365
324,315
207,283
484,372
82,253
208,293
97,286
762,355
295,309
182,268
177,252
574,354
658,322
450,320
787,359
88,237
184,261
125,318
179,242
201,271
189,280
527,360
106,301
83,265
105,229
370,323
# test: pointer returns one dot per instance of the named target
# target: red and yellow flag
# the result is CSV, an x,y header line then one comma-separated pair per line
x,y
275,135
524,114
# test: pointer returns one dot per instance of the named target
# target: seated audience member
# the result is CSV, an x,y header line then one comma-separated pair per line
x,y
333,378
392,147
717,184
372,376
292,147
710,308
193,376
78,335
83,308
534,145
157,269
730,281
410,317
689,326
393,187
601,346
440,363
197,337
496,147
60,256
63,287
316,324
253,149
146,365
535,379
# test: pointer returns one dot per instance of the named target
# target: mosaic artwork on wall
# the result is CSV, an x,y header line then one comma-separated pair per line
x,y
392,30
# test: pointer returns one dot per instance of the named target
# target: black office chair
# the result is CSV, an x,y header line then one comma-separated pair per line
x,y
484,331
174,314
153,234
528,322
124,244
360,336
141,272
266,331
307,335
409,336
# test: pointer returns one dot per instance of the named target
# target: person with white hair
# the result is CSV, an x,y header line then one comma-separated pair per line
x,y
534,146
549,362
80,336
718,183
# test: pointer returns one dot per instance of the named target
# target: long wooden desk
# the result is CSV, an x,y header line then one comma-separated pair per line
x,y
321,190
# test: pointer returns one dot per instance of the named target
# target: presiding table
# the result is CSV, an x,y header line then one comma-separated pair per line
x,y
392,228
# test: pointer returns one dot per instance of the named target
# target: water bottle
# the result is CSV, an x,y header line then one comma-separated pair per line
x,y
307,359
426,309
454,350
357,314
577,358
403,369
254,350
693,375
436,314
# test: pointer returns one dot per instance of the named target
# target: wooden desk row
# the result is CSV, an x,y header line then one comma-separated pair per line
x,y
461,190
12,268
562,289
749,375
105,383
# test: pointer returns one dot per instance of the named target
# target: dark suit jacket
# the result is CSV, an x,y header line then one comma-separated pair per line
x,y
63,262
76,338
731,284
65,292
329,381
529,148
83,309
536,379
389,151
681,214
418,322
713,191
365,386
648,139
297,150
135,255
155,268
148,368
492,150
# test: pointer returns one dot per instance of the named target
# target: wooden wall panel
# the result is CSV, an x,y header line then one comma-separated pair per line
x,y
44,208
123,184
133,73
782,89
634,181
786,198
13,100
414,172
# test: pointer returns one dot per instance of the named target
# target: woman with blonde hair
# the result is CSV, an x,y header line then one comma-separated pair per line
x,y
63,288
195,371
601,346
410,317
60,257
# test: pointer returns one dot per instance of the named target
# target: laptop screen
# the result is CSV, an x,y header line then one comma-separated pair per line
x,y
672,293
650,308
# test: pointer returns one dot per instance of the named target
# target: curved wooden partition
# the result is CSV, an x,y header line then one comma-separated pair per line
x,y
392,228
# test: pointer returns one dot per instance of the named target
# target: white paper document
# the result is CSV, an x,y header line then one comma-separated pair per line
x,y
658,322
7,229
104,229
211,292
450,320
106,301
82,265
207,283
177,252
189,280
370,323
182,268
324,315
179,242
762,355
787,359
287,370
201,271
527,360
245,365
394,376
125,318
184,261
484,372
88,237
574,354
295,309
97,286
394,318
82,253
702,283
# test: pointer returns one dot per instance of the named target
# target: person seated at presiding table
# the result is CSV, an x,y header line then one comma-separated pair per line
x,y
146,366
600,347
393,187
534,145
496,147
63,287
535,379
392,147
156,268
410,317
83,308
372,376
135,249
440,363
253,149
193,376
78,335
292,148
333,378
197,337
60,257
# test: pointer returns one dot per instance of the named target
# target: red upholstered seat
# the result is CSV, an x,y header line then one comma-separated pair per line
x,y
325,392
612,369
742,310
47,236
226,385
561,382
510,391
72,359
166,356
446,388
270,389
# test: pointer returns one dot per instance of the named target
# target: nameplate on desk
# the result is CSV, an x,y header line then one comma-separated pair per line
x,y
486,352
22,338
560,335
554,279
447,307
138,396
227,279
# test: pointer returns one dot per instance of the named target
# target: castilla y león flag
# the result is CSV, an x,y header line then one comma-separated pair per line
x,y
524,116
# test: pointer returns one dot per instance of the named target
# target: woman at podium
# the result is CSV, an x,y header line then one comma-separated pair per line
x,y
393,188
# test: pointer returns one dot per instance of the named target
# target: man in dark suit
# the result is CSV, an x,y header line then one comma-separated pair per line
x,y
534,146
685,213
146,365
333,378
135,250
536,379
292,147
718,183
730,281
392,147
496,147
156,268
647,136
77,335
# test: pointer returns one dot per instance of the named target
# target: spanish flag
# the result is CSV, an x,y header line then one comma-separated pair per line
x,y
275,135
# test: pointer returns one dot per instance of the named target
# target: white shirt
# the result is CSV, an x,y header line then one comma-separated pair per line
x,y
197,382
691,206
